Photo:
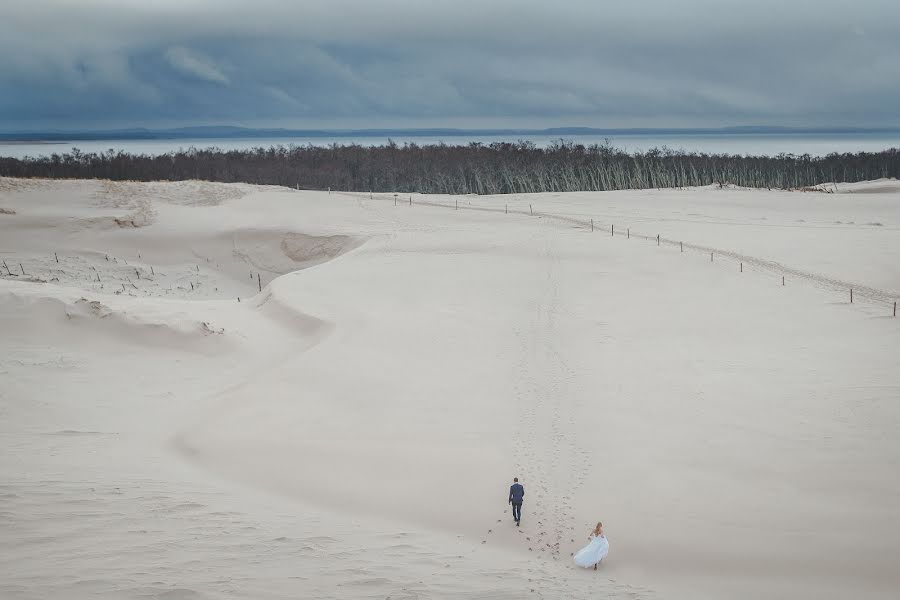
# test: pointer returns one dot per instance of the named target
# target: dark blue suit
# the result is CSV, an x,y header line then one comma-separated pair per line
x,y
516,495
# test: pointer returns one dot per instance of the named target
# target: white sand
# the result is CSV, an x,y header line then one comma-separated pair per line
x,y
350,431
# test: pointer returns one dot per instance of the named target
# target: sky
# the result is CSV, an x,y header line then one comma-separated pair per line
x,y
345,64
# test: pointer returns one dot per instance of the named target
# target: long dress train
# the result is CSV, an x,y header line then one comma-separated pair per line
x,y
594,552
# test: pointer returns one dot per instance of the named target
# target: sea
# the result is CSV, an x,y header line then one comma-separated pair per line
x,y
753,144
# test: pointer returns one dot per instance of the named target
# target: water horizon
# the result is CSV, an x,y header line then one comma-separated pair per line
x,y
735,143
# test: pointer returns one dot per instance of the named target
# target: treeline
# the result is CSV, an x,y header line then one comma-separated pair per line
x,y
498,168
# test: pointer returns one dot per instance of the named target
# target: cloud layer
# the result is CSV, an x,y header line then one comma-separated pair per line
x,y
357,63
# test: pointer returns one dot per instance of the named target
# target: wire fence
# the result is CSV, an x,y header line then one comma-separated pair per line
x,y
854,292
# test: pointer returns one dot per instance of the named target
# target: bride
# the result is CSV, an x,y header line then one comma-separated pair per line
x,y
595,551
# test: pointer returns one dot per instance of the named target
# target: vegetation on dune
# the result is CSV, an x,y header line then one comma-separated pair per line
x,y
498,168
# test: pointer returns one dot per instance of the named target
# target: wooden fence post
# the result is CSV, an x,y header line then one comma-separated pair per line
x,y
742,267
592,224
259,281
851,295
895,308
657,239
531,210
628,233
612,230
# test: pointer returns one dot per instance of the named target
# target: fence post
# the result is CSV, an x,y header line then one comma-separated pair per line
x,y
612,230
782,280
259,281
628,233
410,200
531,210
657,239
710,257
851,295
681,244
895,308
395,199
592,224
742,267
507,209
457,205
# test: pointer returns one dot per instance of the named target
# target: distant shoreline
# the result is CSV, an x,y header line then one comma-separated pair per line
x,y
226,132
4,142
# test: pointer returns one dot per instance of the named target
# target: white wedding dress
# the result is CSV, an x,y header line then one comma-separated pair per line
x,y
594,552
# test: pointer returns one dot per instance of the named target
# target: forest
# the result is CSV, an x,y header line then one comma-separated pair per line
x,y
475,168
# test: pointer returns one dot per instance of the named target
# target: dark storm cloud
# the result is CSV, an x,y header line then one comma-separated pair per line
x,y
361,63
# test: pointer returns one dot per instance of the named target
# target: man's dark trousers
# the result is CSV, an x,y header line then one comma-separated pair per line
x,y
517,511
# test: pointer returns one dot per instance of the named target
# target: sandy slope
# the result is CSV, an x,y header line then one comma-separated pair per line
x,y
350,431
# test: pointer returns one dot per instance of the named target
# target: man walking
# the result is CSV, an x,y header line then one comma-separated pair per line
x,y
516,494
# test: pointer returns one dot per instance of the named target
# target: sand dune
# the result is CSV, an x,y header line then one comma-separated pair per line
x,y
258,392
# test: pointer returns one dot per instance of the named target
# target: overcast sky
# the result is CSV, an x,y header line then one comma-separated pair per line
x,y
71,64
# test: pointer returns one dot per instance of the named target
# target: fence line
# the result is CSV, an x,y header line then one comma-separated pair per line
x,y
869,293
